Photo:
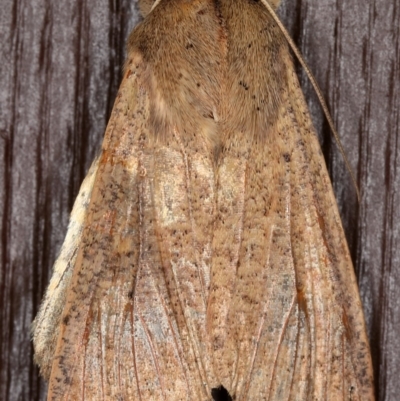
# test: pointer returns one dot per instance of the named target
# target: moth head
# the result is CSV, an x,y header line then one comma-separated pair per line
x,y
145,6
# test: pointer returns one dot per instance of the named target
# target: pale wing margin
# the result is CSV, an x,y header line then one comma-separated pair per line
x,y
80,363
45,328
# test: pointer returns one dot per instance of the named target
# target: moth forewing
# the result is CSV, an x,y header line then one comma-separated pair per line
x,y
211,256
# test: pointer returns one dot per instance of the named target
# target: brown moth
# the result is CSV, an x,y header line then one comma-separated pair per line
x,y
205,256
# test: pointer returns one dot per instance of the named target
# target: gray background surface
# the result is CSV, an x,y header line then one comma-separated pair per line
x,y
59,72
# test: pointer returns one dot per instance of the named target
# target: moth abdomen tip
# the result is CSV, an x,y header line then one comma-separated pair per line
x,y
221,394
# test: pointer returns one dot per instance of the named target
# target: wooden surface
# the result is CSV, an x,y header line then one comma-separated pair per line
x,y
60,70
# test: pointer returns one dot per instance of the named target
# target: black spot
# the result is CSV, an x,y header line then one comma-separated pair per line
x,y
220,394
245,86
189,46
66,320
286,156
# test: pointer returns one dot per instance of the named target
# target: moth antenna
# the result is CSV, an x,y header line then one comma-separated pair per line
x,y
317,91
155,4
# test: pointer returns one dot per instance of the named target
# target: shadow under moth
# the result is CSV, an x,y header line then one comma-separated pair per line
x,y
205,256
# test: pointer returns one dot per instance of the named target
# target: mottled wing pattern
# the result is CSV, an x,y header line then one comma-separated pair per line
x,y
208,249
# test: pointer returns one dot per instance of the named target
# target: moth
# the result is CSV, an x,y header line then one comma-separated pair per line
x,y
205,256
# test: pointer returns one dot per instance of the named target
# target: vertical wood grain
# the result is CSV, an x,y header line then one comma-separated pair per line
x,y
60,70
61,66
